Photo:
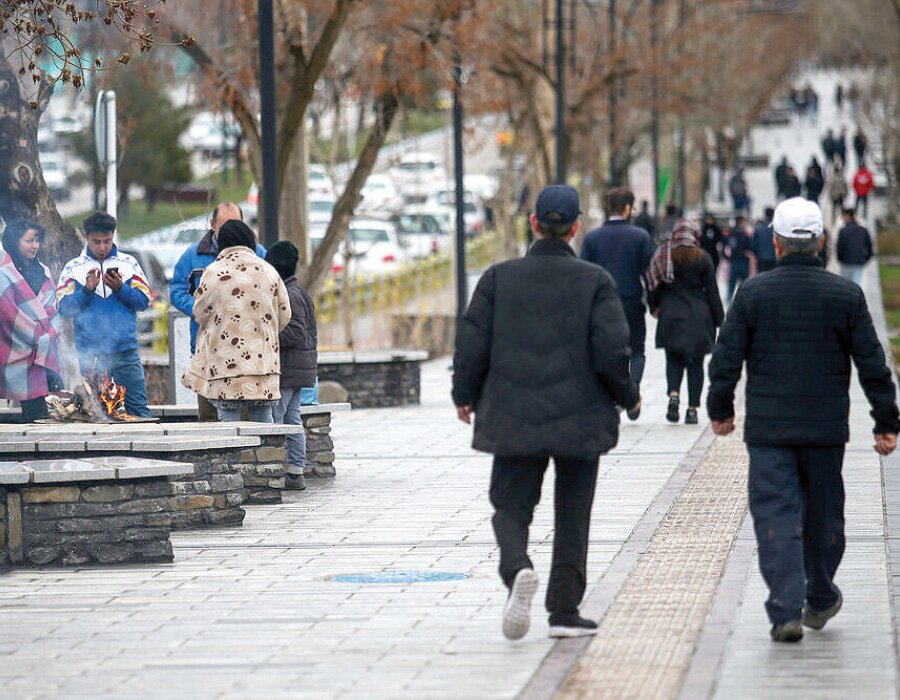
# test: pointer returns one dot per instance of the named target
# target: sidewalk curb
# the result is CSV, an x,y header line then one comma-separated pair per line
x,y
563,656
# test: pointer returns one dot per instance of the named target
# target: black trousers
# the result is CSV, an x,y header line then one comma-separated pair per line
x,y
515,491
797,504
675,369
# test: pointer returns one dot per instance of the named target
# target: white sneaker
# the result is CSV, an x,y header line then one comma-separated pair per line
x,y
517,613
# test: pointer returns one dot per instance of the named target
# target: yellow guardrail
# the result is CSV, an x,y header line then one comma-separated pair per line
x,y
422,276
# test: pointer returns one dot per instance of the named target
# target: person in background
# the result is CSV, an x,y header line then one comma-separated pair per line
x,y
240,306
737,187
780,171
762,246
671,217
854,247
738,252
645,220
837,189
791,185
815,181
863,184
711,238
299,360
685,299
828,146
799,329
29,343
840,147
860,145
624,251
186,277
102,290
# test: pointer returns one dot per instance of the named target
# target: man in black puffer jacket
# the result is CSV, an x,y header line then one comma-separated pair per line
x,y
299,359
542,360
798,327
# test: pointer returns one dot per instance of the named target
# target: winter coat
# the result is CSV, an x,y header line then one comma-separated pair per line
x,y
298,339
198,256
710,239
542,354
837,188
791,186
241,305
854,246
797,327
689,309
815,183
762,244
863,182
624,251
105,321
28,334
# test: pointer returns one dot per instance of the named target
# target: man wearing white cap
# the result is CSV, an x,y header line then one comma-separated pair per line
x,y
797,327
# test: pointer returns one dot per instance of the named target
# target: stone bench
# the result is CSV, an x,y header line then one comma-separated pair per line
x,y
98,510
375,379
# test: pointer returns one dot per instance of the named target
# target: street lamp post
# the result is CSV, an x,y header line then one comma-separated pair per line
x,y
462,293
613,85
269,186
654,89
560,95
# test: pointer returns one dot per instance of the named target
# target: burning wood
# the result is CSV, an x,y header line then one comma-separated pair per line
x,y
101,400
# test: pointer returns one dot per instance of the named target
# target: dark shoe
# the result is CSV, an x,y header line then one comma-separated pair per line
x,y
790,631
296,482
690,416
635,414
816,619
672,413
517,613
566,625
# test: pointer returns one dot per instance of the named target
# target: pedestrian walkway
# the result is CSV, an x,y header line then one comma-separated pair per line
x,y
383,584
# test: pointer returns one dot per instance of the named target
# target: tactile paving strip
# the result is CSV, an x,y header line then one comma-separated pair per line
x,y
647,638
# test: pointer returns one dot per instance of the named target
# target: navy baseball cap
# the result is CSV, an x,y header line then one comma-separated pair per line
x,y
557,204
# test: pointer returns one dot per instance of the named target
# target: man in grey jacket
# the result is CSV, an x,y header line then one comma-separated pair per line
x,y
542,360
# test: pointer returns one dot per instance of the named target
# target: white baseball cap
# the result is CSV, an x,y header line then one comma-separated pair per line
x,y
798,218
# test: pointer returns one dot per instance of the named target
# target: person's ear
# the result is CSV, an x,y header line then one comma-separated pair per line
x,y
532,219
821,243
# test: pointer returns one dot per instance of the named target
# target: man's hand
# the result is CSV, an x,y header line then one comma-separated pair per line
x,y
723,427
464,413
92,279
113,280
636,407
885,443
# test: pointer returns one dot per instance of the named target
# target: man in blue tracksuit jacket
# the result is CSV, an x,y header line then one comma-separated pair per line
x,y
198,257
102,290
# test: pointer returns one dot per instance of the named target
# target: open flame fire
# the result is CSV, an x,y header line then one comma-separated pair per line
x,y
99,399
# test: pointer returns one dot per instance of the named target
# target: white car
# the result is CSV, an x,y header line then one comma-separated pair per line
x,y
319,186
423,232
379,196
210,133
484,187
53,166
321,208
473,212
318,181
417,174
374,249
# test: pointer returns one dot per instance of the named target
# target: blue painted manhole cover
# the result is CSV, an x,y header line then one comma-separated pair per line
x,y
399,577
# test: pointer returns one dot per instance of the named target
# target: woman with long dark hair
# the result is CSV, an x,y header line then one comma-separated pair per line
x,y
685,299
29,362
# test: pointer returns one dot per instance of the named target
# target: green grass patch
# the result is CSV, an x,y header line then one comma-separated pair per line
x,y
889,242
139,221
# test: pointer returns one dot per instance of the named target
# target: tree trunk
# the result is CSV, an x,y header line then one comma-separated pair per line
x,y
23,192
294,201
315,276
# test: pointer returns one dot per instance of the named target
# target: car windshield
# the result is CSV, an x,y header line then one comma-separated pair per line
x,y
321,205
418,223
190,235
369,235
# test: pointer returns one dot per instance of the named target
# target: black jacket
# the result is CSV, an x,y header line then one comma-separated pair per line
x,y
854,246
542,354
798,327
690,310
298,339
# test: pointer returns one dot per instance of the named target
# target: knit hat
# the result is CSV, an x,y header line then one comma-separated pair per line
x,y
283,256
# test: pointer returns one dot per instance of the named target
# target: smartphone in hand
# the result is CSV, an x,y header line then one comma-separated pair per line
x,y
194,280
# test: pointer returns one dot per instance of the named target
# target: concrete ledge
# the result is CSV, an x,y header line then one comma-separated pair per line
x,y
47,471
14,473
183,411
136,468
372,356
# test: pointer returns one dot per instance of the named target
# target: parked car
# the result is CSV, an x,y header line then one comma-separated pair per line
x,y
380,196
181,234
374,249
416,174
319,186
210,133
321,209
473,211
423,233
156,280
53,166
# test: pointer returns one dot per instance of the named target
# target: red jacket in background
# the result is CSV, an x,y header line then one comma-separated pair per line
x,y
863,182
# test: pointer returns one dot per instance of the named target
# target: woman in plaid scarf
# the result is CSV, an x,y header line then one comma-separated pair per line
x,y
684,297
28,337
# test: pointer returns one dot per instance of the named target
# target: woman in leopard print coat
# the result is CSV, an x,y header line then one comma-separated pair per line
x,y
240,305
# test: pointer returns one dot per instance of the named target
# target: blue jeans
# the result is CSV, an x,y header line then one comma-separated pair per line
x,y
287,411
852,272
230,411
635,314
797,504
740,270
126,369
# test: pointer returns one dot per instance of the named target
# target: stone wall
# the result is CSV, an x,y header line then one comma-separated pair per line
x,y
213,494
263,470
92,522
319,446
375,384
